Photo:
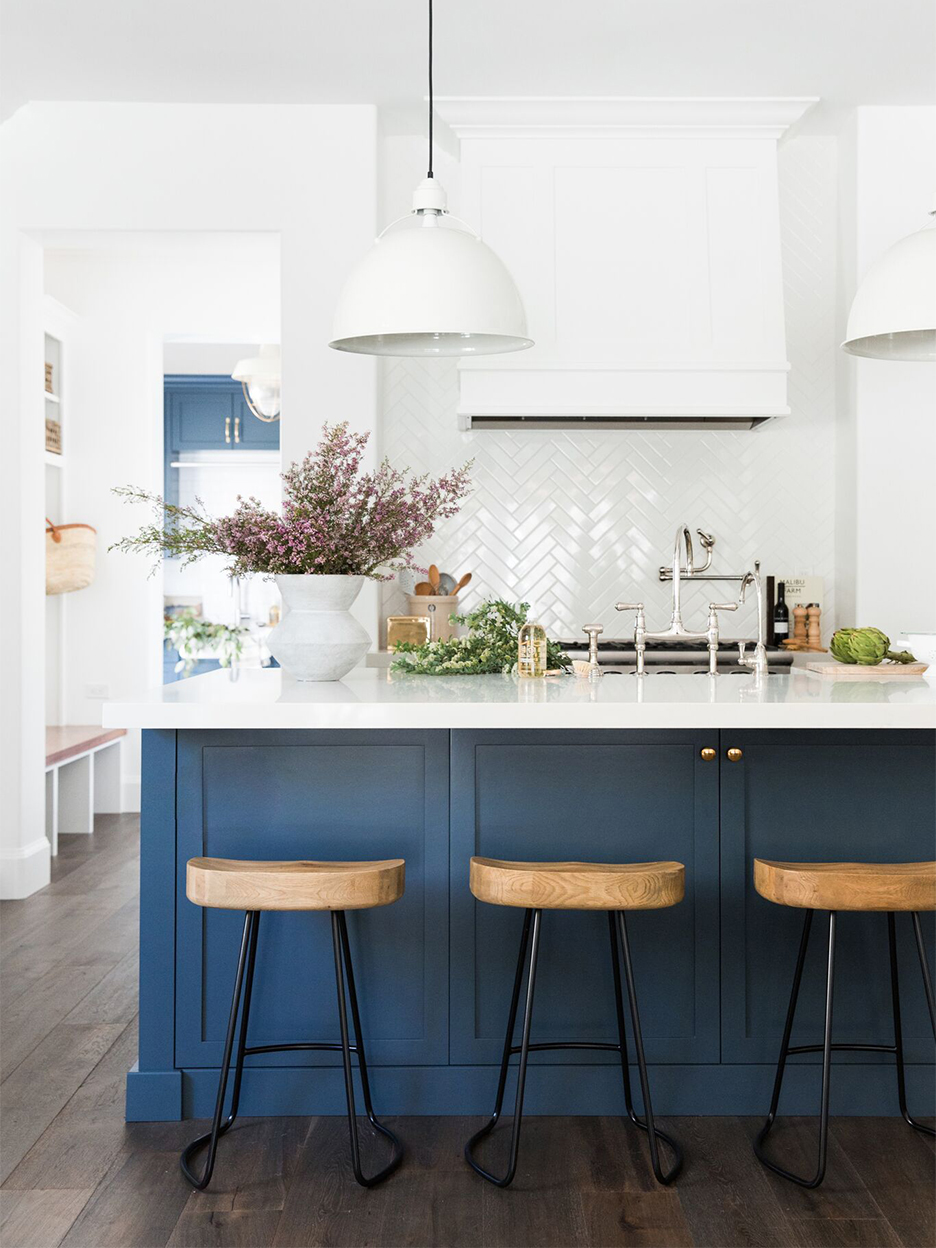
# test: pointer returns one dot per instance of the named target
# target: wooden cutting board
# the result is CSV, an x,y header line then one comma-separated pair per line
x,y
855,671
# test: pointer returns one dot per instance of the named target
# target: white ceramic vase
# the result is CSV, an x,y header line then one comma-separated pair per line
x,y
318,637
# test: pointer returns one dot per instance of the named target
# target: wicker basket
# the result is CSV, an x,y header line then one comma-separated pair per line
x,y
53,436
69,557
48,379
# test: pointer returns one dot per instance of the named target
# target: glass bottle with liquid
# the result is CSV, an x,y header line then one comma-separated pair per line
x,y
781,615
531,650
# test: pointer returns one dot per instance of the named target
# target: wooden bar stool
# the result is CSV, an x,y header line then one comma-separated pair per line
x,y
835,886
253,887
538,886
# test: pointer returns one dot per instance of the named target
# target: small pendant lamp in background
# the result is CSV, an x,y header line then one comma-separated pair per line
x,y
260,378
893,314
429,286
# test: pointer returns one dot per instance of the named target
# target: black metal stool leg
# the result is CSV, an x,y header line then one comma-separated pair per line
x,y
786,1050
342,958
924,967
245,967
898,1030
647,1123
340,936
534,917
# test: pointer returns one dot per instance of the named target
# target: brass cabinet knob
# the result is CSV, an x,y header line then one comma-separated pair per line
x,y
735,756
708,753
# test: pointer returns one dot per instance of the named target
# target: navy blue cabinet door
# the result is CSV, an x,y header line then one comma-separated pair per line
x,y
606,797
210,413
199,417
316,795
820,796
255,434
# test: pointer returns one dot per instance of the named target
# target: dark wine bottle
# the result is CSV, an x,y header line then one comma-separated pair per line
x,y
781,614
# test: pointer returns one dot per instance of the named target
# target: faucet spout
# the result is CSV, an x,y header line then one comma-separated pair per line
x,y
759,661
682,535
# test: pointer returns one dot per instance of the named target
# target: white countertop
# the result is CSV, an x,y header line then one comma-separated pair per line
x,y
376,699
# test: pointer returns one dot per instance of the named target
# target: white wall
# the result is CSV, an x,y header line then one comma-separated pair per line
x,y
24,849
139,167
208,358
894,403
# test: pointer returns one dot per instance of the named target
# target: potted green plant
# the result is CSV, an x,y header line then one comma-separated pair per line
x,y
191,637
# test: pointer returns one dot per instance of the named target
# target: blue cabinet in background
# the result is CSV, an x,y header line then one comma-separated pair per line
x,y
209,413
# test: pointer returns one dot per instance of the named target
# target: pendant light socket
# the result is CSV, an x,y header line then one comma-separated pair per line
x,y
429,196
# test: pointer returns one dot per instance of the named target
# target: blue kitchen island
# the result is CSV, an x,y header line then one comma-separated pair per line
x,y
435,770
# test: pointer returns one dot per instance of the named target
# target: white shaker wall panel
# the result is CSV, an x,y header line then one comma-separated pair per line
x,y
574,522
622,246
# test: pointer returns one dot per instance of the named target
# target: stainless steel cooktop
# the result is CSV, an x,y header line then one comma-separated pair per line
x,y
617,654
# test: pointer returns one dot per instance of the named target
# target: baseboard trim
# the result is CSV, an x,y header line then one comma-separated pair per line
x,y
677,1090
130,791
26,869
154,1095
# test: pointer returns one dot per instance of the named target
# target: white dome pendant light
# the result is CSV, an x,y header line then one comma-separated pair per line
x,y
261,378
429,286
893,315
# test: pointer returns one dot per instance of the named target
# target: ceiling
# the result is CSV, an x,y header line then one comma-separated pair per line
x,y
373,51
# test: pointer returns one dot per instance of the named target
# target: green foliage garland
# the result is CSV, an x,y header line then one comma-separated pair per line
x,y
490,647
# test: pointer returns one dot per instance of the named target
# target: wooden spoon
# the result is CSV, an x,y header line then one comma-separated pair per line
x,y
462,583
424,589
434,578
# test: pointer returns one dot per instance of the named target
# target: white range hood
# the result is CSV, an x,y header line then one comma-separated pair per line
x,y
644,237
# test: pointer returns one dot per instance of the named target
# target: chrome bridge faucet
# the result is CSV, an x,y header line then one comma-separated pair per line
x,y
677,629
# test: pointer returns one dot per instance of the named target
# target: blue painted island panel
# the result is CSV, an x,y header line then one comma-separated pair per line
x,y
598,796
316,795
435,969
801,796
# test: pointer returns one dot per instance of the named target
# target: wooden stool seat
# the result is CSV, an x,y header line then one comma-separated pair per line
x,y
578,885
230,884
886,886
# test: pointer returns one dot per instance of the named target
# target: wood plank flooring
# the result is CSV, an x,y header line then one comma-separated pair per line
x,y
75,1174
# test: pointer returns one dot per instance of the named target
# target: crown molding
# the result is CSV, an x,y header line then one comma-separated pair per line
x,y
603,117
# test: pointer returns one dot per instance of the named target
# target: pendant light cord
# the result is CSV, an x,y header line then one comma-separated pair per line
x,y
429,174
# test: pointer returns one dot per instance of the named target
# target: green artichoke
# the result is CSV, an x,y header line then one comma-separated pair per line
x,y
867,646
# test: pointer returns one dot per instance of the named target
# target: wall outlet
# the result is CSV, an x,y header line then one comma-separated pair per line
x,y
97,691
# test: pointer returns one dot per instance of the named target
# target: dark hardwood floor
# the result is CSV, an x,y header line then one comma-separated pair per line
x,y
75,1174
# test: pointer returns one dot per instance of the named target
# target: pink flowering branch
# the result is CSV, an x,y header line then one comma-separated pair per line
x,y
335,520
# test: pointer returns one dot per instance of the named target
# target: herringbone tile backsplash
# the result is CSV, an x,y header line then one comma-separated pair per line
x,y
574,522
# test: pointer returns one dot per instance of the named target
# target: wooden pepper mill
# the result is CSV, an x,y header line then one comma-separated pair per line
x,y
799,624
814,634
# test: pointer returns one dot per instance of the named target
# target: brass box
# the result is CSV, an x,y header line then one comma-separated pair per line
x,y
412,628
